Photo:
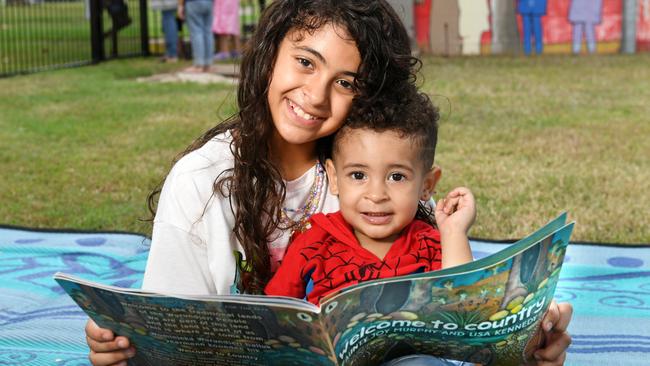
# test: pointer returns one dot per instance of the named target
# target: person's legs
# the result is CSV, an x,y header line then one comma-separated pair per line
x,y
235,52
199,21
208,37
527,33
194,24
590,34
170,30
224,50
577,37
539,34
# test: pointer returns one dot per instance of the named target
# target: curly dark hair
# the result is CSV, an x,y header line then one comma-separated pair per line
x,y
254,185
410,114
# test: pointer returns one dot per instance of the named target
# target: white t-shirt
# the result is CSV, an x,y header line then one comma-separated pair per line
x,y
193,249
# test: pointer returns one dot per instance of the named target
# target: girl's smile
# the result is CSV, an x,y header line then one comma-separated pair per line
x,y
312,87
301,116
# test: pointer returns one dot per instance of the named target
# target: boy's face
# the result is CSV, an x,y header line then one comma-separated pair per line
x,y
379,178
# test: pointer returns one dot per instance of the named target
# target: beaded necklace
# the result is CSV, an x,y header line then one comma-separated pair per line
x,y
309,208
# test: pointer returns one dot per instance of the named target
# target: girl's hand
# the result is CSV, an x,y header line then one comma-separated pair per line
x,y
555,335
180,12
457,211
105,348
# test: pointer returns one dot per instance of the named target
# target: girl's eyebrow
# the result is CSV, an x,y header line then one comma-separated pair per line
x,y
313,52
320,57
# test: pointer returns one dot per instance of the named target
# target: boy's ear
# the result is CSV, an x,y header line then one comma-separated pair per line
x,y
331,177
431,179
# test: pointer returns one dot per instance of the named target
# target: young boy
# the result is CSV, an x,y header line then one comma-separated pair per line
x,y
381,170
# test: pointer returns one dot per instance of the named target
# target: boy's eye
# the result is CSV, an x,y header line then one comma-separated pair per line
x,y
397,177
357,175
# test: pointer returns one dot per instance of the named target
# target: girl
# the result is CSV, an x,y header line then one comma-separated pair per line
x,y
230,204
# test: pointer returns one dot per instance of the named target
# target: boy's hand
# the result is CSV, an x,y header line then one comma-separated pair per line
x,y
457,211
105,348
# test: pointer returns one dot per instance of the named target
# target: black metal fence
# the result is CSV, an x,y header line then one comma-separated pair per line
x,y
46,34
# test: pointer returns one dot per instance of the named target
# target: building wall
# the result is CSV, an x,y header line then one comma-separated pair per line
x,y
559,23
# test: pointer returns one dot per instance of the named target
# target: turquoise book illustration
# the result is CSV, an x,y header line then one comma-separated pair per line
x,y
486,312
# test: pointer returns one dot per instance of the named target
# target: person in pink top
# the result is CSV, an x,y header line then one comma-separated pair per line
x,y
226,27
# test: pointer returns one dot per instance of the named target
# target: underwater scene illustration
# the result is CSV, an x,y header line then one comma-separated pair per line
x,y
488,316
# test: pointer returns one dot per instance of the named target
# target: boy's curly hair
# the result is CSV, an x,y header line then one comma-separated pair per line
x,y
411,115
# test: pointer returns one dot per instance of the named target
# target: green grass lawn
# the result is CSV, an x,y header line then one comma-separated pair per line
x,y
82,147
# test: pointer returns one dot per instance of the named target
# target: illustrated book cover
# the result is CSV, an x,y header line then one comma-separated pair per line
x,y
486,312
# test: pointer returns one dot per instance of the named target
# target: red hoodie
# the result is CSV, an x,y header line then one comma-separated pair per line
x,y
329,257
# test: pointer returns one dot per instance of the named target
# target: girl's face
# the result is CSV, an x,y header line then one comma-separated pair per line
x,y
312,84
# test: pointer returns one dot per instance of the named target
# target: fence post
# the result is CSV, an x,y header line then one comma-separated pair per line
x,y
144,28
96,31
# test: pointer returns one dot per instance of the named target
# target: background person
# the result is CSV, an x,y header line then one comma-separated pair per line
x,y
226,28
198,17
168,9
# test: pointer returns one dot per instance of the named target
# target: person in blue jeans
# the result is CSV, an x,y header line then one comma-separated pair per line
x,y
198,16
168,9
531,12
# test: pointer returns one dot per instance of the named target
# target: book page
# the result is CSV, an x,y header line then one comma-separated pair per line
x,y
174,331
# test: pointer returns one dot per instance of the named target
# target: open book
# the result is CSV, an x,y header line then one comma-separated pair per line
x,y
487,311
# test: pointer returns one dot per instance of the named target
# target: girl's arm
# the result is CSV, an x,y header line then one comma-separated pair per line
x,y
177,262
455,214
180,10
556,338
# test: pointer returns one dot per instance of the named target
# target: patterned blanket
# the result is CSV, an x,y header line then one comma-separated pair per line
x,y
609,287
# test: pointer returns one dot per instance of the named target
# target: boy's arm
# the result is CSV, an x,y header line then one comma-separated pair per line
x,y
455,214
455,249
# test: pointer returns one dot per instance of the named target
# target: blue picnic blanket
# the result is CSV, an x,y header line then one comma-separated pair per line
x,y
609,287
